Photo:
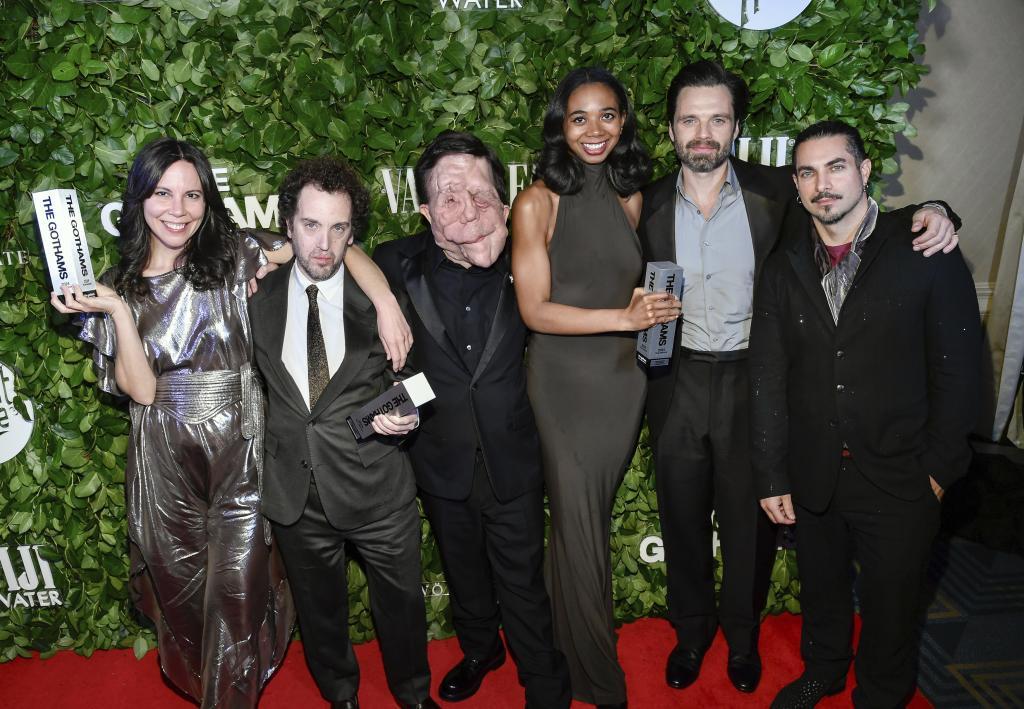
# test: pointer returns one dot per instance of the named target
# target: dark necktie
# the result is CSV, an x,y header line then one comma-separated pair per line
x,y
316,353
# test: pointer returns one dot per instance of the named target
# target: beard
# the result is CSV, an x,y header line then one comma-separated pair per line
x,y
315,271
702,162
826,215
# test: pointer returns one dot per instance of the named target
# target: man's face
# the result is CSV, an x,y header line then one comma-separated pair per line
x,y
321,231
704,127
464,211
828,178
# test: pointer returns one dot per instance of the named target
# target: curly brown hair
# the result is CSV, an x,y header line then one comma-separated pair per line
x,y
328,174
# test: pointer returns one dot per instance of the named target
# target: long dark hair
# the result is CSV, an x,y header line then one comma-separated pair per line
x,y
629,165
209,255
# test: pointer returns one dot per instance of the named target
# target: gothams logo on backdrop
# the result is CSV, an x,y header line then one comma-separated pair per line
x,y
759,14
28,579
253,214
15,429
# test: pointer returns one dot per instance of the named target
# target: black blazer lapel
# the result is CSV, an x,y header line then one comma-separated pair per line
x,y
505,315
802,260
273,327
358,338
419,295
659,228
765,211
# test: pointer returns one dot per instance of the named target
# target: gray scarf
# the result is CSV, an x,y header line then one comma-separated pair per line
x,y
836,281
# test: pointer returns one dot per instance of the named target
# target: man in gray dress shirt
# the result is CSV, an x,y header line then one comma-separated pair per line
x,y
717,217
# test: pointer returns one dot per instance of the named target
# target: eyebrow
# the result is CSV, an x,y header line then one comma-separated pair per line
x,y
830,163
600,110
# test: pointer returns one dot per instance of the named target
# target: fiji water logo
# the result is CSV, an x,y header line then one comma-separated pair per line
x,y
29,579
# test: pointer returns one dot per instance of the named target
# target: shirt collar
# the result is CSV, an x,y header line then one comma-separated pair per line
x,y
438,259
729,187
331,289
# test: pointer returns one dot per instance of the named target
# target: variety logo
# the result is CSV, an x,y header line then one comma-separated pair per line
x,y
15,430
759,14
29,579
398,184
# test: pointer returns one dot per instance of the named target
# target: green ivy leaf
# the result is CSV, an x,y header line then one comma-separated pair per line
x,y
64,71
800,52
832,54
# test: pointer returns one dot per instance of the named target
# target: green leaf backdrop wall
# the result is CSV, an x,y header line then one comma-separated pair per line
x,y
259,85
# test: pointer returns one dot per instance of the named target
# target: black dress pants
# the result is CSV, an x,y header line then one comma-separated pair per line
x,y
493,554
314,556
702,463
890,540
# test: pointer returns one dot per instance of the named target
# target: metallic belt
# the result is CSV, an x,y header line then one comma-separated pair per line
x,y
194,397
724,356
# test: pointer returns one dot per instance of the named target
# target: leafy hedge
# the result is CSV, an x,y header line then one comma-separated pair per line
x,y
258,85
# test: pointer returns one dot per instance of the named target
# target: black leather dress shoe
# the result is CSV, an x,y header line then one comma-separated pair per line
x,y
352,703
427,703
683,667
806,692
744,671
464,679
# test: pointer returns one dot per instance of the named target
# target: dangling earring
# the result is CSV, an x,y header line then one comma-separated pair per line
x,y
798,200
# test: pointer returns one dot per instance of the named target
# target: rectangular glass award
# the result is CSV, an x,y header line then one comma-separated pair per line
x,y
62,230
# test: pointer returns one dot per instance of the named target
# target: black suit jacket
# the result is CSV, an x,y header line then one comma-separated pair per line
x,y
768,196
486,408
357,482
897,379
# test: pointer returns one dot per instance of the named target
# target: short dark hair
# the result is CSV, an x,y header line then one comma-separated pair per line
x,y
706,73
328,174
827,129
629,165
208,260
452,142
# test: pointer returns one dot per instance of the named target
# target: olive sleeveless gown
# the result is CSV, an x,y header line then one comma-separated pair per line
x,y
587,394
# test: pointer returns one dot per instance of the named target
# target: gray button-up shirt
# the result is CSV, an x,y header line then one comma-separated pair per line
x,y
716,252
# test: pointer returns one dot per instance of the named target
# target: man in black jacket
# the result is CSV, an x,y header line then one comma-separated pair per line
x,y
719,218
314,341
865,362
476,455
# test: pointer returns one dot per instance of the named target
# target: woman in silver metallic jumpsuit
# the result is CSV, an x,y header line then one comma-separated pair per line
x,y
174,336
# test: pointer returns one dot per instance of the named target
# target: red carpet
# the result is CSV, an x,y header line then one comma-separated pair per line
x,y
115,680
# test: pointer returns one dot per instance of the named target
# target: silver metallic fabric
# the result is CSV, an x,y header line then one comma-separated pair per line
x,y
202,568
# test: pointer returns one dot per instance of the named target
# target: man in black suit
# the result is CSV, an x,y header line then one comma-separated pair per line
x,y
718,217
315,344
865,362
477,456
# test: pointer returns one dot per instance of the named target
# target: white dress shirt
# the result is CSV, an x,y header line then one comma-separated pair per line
x,y
330,301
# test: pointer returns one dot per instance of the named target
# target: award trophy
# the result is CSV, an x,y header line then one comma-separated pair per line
x,y
654,345
402,399
62,230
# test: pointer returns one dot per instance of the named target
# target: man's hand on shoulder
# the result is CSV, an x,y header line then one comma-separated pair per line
x,y
939,231
261,273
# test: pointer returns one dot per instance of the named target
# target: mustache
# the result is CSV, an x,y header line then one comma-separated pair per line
x,y
715,145
825,195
